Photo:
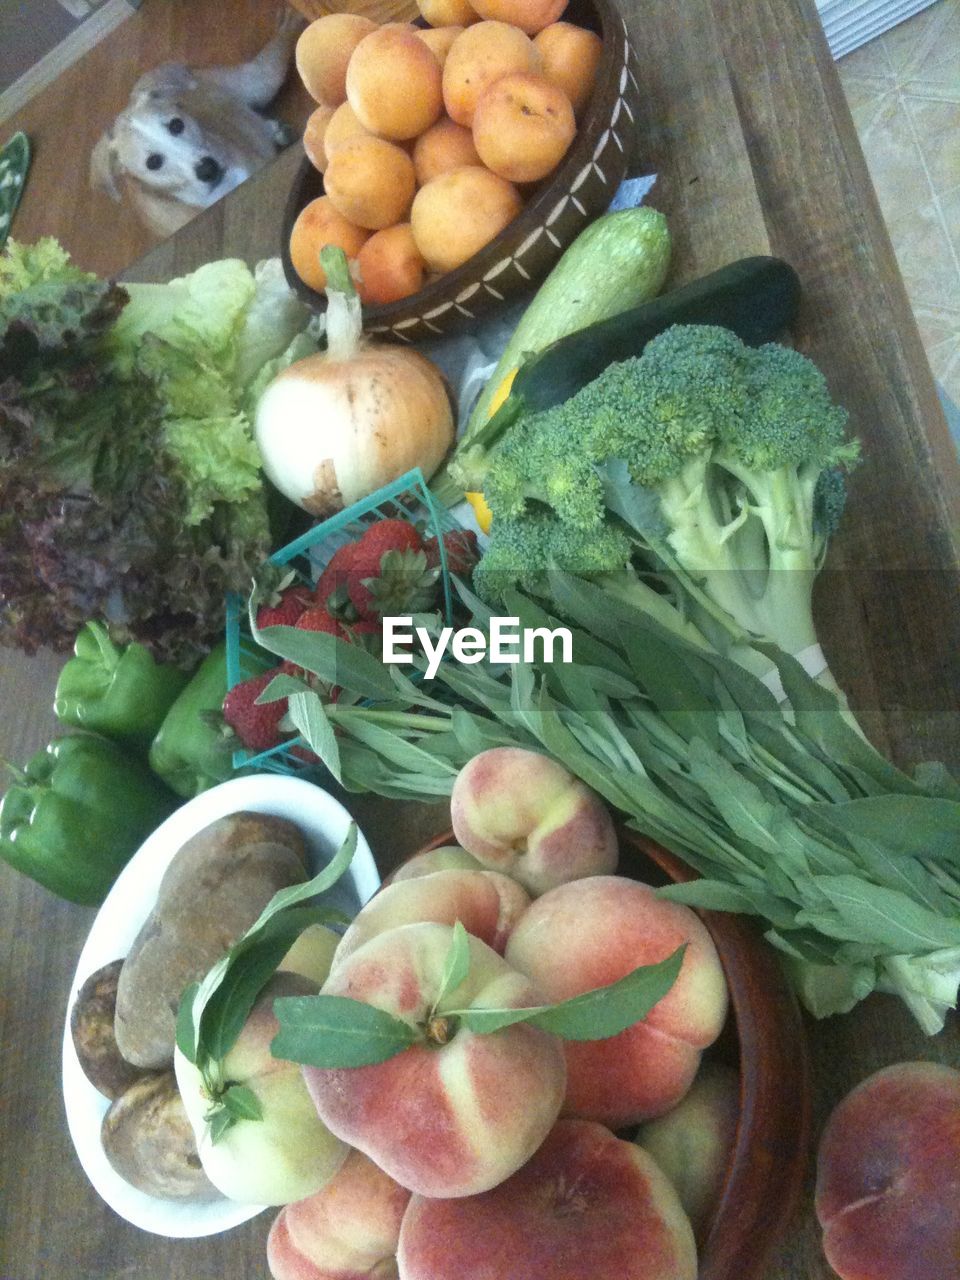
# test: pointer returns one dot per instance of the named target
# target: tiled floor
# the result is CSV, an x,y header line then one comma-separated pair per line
x,y
904,93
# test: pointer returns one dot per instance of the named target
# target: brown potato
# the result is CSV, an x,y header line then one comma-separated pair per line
x,y
149,1141
211,893
91,1025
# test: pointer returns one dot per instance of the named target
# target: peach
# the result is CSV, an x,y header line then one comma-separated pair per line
x,y
522,813
286,1154
446,13
443,147
487,904
888,1176
587,1206
350,1228
439,39
456,1112
370,182
448,857
693,1143
477,58
394,83
523,126
570,56
457,213
312,953
391,266
319,223
314,134
323,51
530,16
590,933
343,127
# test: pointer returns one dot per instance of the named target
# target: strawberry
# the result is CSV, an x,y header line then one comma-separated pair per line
x,y
257,727
389,572
461,548
281,597
333,580
317,618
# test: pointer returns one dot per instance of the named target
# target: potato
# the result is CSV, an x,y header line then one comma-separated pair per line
x,y
211,893
149,1141
91,1025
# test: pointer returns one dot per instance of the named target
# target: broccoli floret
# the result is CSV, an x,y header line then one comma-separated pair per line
x,y
524,549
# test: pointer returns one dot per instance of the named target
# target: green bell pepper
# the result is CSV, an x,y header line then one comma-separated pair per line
x,y
79,810
120,692
190,753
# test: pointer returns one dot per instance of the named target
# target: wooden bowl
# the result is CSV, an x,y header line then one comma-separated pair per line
x,y
523,253
765,1040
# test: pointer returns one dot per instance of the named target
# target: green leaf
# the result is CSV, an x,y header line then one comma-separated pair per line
x,y
219,1121
242,1103
334,660
885,918
673,688
335,1031
595,1015
457,964
308,716
187,1028
280,687
906,826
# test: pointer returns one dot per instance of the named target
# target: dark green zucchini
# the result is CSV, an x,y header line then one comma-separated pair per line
x,y
756,297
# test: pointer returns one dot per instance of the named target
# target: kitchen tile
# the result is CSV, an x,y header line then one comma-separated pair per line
x,y
937,128
866,97
950,212
937,325
893,158
923,252
871,59
907,45
936,57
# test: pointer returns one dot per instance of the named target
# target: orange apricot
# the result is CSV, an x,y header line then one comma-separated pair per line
x,y
458,213
343,127
318,224
438,40
448,13
522,127
479,57
530,16
391,266
571,56
371,182
314,136
394,83
446,145
323,51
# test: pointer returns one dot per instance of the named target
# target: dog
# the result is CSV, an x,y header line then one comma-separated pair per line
x,y
188,136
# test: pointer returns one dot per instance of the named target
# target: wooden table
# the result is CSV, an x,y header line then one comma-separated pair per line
x,y
744,121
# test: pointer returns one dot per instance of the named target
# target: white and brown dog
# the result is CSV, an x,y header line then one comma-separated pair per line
x,y
189,135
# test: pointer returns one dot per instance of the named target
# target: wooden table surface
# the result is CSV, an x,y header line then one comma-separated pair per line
x,y
745,123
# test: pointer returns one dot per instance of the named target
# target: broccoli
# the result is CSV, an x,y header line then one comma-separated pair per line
x,y
721,463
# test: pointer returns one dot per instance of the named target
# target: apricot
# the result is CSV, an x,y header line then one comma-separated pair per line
x,y
523,126
323,51
887,1166
479,57
529,15
457,213
343,127
570,56
394,83
391,266
587,1206
449,857
590,933
445,146
314,135
371,182
317,224
439,39
448,13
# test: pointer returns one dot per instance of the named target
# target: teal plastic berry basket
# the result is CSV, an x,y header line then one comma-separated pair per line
x,y
408,498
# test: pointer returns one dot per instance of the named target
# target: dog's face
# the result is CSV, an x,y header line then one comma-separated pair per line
x,y
161,144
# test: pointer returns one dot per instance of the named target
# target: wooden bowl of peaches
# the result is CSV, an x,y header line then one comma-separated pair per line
x,y
674,1149
454,159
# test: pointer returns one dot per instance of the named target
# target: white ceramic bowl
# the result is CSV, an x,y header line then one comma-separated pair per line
x,y
324,823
